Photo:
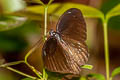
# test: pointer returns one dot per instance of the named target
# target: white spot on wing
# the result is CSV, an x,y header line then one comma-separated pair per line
x,y
80,50
84,55
44,53
69,12
79,43
70,51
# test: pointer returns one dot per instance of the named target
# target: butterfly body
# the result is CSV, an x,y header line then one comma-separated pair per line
x,y
65,50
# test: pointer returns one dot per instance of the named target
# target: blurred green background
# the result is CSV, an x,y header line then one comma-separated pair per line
x,y
21,29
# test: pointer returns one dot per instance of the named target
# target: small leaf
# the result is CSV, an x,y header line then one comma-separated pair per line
x,y
115,72
58,9
113,12
87,66
96,76
12,5
27,79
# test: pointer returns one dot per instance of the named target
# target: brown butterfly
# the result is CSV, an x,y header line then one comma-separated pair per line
x,y
65,50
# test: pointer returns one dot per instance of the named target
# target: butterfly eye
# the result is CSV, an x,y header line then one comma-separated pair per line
x,y
52,33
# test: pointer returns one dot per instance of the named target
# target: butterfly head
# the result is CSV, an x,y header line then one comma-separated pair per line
x,y
54,34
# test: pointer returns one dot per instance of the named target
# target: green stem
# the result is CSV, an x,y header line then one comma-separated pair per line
x,y
45,31
21,73
26,59
34,70
19,62
45,17
105,29
50,2
45,76
29,53
45,35
11,63
45,22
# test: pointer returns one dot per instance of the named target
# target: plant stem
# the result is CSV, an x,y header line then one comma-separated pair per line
x,y
34,70
11,63
45,17
45,31
105,29
31,67
45,22
26,59
29,53
45,34
14,70
19,72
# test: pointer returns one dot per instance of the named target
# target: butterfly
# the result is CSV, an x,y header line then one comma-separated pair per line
x,y
65,50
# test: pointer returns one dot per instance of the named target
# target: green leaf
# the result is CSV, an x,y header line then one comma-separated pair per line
x,y
87,66
54,75
82,78
96,76
10,22
27,79
12,5
115,72
37,1
113,12
58,9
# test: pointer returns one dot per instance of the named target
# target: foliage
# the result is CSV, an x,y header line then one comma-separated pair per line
x,y
115,72
114,21
10,22
96,76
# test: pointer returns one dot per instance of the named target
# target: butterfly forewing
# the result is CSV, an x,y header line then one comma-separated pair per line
x,y
72,28
72,24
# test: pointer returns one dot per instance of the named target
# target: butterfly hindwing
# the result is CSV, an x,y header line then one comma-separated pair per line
x,y
53,56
